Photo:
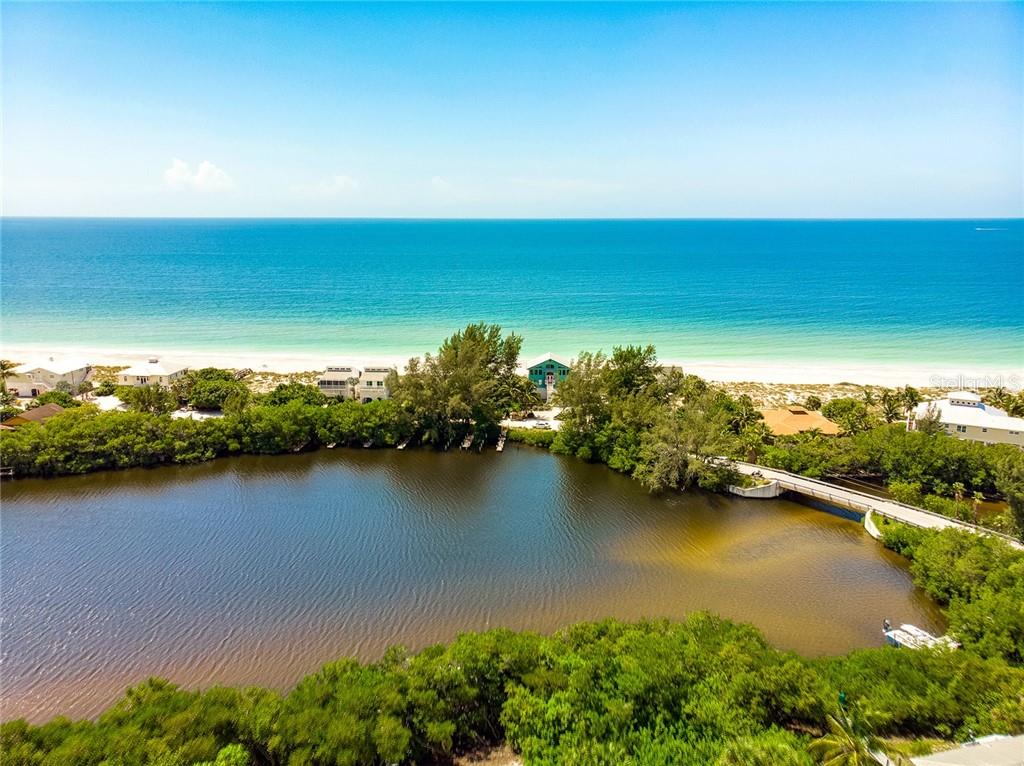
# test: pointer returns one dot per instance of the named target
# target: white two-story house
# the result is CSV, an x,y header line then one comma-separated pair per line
x,y
373,384
339,381
964,415
38,377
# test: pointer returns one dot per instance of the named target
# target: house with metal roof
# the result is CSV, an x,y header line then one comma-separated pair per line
x,y
547,371
152,371
39,376
964,415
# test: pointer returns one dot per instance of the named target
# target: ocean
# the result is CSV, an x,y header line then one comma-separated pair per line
x,y
880,292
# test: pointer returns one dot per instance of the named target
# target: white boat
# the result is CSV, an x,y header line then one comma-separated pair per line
x,y
909,636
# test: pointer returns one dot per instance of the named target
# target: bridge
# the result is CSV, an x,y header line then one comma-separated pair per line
x,y
850,499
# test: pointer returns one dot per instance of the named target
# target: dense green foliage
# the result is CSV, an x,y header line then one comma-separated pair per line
x,y
921,468
63,398
532,436
471,384
209,388
666,430
86,439
703,691
979,579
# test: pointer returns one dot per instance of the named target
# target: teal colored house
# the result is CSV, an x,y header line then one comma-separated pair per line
x,y
546,372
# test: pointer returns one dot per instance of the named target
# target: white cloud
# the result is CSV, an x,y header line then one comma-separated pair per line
x,y
206,177
331,187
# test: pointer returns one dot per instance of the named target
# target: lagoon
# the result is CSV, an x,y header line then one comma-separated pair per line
x,y
256,570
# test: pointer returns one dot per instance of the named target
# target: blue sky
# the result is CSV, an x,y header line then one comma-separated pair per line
x,y
532,110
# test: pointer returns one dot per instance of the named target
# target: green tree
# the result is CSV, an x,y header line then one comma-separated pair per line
x,y
295,392
584,395
63,398
892,406
851,742
154,399
850,414
471,383
813,402
685,446
1009,480
7,370
910,397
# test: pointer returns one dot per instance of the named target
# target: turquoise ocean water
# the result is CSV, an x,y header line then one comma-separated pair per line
x,y
887,292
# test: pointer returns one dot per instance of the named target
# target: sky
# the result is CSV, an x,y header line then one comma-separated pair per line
x,y
825,110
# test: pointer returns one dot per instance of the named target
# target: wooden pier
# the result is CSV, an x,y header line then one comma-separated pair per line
x,y
501,440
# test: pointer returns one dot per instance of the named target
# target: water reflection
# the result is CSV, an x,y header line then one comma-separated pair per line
x,y
259,569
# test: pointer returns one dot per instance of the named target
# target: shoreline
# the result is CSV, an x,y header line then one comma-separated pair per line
x,y
785,371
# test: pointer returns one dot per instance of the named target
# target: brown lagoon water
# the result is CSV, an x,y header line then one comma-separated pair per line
x,y
259,569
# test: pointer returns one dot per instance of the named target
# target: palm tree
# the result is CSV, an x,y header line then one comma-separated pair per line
x,y
7,368
850,742
999,397
891,410
911,397
869,396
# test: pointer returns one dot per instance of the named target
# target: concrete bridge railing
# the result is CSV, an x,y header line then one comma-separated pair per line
x,y
862,502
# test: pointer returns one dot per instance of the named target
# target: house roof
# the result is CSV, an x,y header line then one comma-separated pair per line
x,y
36,414
978,414
965,396
55,364
154,367
548,356
794,420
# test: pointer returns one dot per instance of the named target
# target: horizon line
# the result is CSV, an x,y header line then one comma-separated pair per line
x,y
502,218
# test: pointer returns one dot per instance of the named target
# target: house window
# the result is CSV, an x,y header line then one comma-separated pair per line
x,y
984,430
961,429
143,380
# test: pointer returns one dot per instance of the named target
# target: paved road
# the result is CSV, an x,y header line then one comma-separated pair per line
x,y
863,502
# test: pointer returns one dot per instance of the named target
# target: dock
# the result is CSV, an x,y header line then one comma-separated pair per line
x,y
367,444
501,440
468,441
404,443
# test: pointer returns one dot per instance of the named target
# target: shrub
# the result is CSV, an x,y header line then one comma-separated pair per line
x,y
532,436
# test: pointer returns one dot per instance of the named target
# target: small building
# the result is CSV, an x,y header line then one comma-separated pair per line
x,y
547,371
38,377
964,415
39,414
339,381
373,384
153,370
791,420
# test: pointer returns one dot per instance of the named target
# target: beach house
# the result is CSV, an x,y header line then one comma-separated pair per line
x,y
339,381
38,377
787,421
38,414
964,415
547,371
153,370
373,384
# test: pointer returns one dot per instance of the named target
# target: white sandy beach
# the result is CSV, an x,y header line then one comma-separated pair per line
x,y
733,371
